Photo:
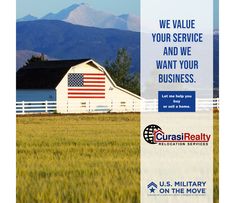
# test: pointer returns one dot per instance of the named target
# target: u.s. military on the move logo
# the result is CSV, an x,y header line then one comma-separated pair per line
x,y
152,187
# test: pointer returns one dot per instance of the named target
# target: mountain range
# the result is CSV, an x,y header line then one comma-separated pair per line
x,y
81,32
63,40
82,14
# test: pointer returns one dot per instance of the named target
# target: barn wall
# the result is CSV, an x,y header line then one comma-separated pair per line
x,y
114,98
35,95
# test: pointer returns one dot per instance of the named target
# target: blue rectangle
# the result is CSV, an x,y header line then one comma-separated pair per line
x,y
176,101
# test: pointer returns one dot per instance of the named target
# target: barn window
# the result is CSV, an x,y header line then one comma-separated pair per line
x,y
123,104
83,104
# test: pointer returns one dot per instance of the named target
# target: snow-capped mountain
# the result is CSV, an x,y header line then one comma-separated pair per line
x,y
61,15
82,14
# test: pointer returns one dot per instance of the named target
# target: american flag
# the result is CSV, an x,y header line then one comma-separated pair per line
x,y
86,85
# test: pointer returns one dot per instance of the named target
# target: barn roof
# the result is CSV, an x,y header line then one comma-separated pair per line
x,y
44,74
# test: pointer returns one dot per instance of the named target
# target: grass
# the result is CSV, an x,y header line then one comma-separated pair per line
x,y
83,159
216,157
88,158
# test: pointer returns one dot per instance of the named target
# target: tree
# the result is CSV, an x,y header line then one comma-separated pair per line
x,y
36,58
119,70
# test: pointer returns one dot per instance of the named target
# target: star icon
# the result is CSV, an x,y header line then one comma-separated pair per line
x,y
152,190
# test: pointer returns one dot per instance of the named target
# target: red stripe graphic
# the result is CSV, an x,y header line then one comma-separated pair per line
x,y
93,78
85,82
93,93
84,97
94,74
84,89
93,85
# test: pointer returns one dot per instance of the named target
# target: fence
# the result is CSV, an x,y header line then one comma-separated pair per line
x,y
92,106
26,107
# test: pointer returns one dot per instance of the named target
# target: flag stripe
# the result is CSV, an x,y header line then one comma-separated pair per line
x,y
84,89
94,81
94,74
92,93
88,97
93,78
93,85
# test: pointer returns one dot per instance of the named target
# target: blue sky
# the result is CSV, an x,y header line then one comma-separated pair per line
x,y
40,8
216,14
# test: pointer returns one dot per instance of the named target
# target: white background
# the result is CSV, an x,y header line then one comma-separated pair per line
x,y
172,159
7,102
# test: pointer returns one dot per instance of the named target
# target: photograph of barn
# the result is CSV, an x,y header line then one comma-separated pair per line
x,y
78,122
72,86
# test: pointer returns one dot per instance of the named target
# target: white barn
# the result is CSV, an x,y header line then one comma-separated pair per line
x,y
77,86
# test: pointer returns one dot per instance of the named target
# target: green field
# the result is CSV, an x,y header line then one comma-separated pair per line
x,y
216,157
81,159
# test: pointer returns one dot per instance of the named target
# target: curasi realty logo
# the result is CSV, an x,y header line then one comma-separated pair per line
x,y
153,134
149,133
